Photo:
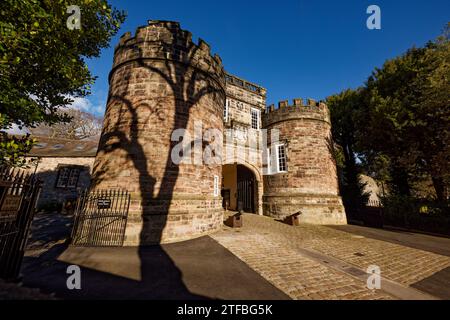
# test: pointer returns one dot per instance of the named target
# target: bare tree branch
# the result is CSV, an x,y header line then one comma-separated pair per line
x,y
82,125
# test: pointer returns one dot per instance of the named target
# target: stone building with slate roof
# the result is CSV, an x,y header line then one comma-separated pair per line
x,y
64,166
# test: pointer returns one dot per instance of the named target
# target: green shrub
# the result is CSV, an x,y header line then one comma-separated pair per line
x,y
419,214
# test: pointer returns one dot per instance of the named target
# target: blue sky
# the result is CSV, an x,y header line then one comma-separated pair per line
x,y
300,48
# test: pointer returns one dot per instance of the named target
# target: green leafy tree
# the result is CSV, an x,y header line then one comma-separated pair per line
x,y
406,116
42,60
396,128
343,109
431,132
13,150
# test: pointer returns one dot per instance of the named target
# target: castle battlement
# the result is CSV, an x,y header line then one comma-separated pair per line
x,y
299,109
161,81
166,41
244,84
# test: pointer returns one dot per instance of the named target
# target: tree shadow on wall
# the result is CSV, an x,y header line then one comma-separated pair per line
x,y
188,86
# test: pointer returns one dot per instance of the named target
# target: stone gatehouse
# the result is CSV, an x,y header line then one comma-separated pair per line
x,y
161,81
272,161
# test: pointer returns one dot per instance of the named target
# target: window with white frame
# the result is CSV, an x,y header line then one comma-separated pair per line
x,y
255,118
226,111
276,159
281,158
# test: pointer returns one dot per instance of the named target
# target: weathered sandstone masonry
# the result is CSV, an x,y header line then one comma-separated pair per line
x,y
161,81
241,140
310,183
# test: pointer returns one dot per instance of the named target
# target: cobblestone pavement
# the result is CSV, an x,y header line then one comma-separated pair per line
x,y
274,250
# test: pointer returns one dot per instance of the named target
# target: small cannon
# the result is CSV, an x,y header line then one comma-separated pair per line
x,y
234,221
293,219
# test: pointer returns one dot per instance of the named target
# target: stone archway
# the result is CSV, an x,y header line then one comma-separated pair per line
x,y
241,188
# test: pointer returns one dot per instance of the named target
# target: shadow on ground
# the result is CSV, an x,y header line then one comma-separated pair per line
x,y
204,270
198,269
48,228
438,284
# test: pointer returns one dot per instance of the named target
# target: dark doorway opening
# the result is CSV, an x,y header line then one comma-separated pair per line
x,y
246,184
239,188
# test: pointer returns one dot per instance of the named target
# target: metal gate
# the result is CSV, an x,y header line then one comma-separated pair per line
x,y
245,195
18,195
101,218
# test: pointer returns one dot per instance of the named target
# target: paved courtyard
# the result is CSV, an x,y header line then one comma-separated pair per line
x,y
321,262
265,259
197,269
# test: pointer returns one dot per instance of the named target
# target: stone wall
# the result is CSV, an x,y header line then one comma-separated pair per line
x,y
242,143
162,81
242,96
310,184
47,171
371,188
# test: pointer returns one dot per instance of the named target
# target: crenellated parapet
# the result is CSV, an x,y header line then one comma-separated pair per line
x,y
308,184
298,109
162,82
166,41
246,85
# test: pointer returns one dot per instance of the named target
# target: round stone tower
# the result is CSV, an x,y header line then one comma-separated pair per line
x,y
161,81
307,182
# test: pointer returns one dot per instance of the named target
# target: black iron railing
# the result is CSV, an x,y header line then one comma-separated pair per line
x,y
101,218
18,195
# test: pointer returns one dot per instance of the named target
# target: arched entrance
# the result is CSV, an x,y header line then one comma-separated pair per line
x,y
239,188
